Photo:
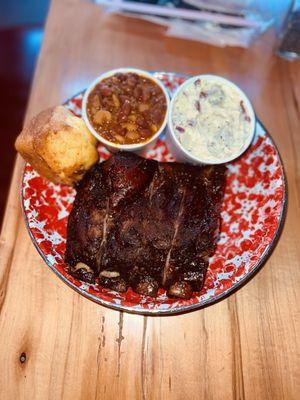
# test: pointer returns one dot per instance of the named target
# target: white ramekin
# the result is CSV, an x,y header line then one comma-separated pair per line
x,y
179,152
114,147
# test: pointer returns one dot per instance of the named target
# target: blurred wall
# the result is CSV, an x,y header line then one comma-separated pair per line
x,y
22,12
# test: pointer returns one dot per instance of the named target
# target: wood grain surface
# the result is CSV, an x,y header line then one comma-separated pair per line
x,y
55,344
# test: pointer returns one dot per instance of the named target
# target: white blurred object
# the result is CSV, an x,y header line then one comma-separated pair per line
x,y
213,34
227,6
218,22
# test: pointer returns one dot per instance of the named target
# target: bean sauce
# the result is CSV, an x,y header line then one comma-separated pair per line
x,y
126,108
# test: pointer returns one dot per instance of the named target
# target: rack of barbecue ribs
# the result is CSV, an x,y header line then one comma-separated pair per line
x,y
145,224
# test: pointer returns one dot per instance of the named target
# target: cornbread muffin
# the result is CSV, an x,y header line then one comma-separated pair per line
x,y
58,145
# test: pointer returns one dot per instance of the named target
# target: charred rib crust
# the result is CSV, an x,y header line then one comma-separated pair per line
x,y
156,224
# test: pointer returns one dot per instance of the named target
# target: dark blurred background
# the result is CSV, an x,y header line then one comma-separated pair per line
x,y
21,35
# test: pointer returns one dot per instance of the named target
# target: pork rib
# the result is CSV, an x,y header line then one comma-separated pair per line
x,y
140,223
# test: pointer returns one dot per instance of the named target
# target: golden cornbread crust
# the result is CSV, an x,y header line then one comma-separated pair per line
x,y
58,145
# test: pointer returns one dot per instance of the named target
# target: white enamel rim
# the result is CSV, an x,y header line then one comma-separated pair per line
x,y
186,154
129,147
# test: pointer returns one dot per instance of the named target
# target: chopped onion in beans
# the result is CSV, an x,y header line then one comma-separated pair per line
x,y
126,108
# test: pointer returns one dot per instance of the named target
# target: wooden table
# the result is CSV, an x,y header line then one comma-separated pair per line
x,y
55,344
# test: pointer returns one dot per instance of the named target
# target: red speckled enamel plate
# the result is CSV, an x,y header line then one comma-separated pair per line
x,y
252,217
